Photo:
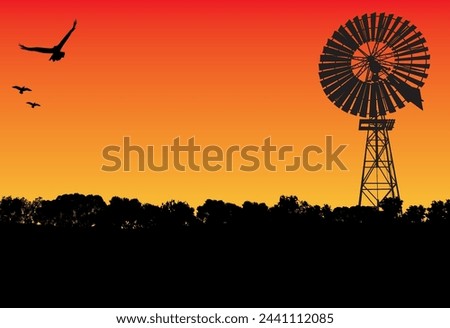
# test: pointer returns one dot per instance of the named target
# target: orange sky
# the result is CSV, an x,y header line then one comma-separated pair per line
x,y
225,72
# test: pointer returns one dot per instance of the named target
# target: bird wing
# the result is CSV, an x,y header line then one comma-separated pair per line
x,y
38,49
26,89
37,104
16,87
29,103
66,37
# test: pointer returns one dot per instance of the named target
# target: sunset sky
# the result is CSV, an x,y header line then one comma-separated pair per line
x,y
225,72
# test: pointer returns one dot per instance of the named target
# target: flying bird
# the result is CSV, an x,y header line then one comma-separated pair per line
x,y
32,104
56,52
21,89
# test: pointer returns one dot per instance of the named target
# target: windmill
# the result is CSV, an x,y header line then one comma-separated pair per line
x,y
372,66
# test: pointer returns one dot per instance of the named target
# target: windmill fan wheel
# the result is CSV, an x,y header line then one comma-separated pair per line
x,y
373,64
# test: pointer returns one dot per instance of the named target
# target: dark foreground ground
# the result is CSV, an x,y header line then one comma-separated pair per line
x,y
309,266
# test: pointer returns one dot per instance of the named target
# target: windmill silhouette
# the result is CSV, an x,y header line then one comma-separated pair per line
x,y
371,66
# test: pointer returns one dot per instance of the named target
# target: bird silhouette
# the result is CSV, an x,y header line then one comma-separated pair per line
x,y
21,89
32,104
56,52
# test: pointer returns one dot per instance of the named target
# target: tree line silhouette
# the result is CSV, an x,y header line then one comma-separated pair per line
x,y
92,212
80,251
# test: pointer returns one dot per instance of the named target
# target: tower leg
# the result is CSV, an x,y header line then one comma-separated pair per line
x,y
379,180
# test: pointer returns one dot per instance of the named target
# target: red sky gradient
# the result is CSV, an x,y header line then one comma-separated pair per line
x,y
226,72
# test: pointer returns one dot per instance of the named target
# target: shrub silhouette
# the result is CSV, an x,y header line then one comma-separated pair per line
x,y
439,212
78,211
13,210
414,214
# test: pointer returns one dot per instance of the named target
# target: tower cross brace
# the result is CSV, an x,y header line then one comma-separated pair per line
x,y
378,180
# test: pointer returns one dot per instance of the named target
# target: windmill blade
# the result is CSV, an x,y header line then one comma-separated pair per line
x,y
384,28
373,101
380,103
416,35
403,47
341,94
338,78
325,66
332,44
402,36
385,95
351,27
411,52
360,28
365,101
380,26
336,52
394,96
409,70
397,34
373,26
332,58
365,22
359,99
409,78
329,88
351,98
412,59
331,72
333,86
392,29
425,66
350,42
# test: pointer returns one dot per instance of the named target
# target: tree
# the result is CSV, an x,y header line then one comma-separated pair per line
x,y
122,213
13,210
254,214
177,214
151,215
414,214
392,208
439,212
286,210
310,214
355,214
32,214
69,210
217,212
46,214
327,213
292,211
